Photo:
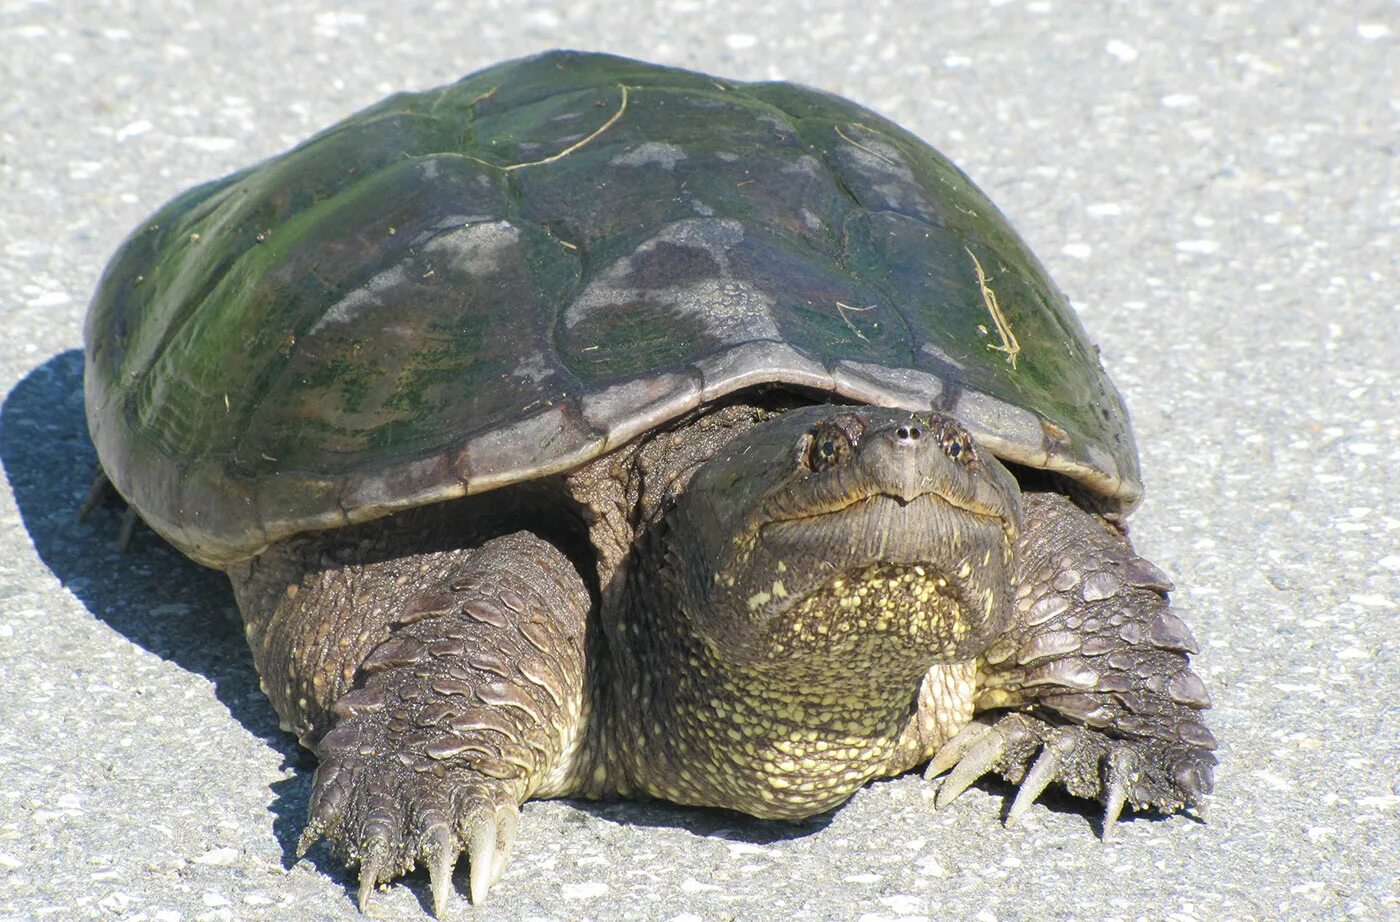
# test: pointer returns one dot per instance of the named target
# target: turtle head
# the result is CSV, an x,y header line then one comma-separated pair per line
x,y
858,535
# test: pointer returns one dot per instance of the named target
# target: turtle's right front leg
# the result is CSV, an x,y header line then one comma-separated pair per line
x,y
469,702
1090,687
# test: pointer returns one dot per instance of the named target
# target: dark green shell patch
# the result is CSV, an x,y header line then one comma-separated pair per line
x,y
466,287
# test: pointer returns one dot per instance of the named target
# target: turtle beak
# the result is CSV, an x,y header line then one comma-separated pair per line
x,y
897,458
914,458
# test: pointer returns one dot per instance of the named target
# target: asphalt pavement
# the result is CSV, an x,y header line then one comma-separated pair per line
x,y
1213,183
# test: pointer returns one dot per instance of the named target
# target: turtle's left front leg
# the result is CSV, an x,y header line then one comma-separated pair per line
x,y
438,675
1091,686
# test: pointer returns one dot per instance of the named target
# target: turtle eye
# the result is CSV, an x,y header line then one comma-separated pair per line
x,y
958,446
828,446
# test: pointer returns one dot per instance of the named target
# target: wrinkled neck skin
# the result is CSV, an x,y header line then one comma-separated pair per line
x,y
771,663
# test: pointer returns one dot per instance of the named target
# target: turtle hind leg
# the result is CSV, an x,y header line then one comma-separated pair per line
x,y
99,492
1091,687
102,492
439,688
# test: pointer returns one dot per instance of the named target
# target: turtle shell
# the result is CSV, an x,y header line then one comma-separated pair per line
x,y
503,278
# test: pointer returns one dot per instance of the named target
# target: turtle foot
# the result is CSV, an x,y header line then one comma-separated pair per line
x,y
1139,772
386,818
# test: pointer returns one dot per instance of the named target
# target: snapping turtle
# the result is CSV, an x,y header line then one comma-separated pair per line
x,y
592,428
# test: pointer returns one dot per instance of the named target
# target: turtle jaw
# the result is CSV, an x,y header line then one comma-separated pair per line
x,y
887,582
835,535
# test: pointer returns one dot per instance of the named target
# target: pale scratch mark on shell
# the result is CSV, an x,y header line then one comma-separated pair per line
x,y
621,108
841,309
857,144
1009,345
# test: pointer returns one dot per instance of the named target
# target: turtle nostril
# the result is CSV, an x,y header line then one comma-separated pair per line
x,y
909,433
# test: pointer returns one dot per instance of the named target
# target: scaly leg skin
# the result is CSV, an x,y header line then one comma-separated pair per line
x,y
470,703
1095,668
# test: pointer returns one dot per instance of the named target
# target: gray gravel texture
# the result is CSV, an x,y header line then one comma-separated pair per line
x,y
1215,186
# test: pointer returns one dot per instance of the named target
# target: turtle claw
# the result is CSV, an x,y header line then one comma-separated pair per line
x,y
509,820
1117,795
370,872
441,861
953,751
1046,766
488,849
481,855
312,834
980,758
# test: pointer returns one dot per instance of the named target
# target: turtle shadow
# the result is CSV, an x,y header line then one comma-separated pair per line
x,y
150,593
1055,799
706,822
701,822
